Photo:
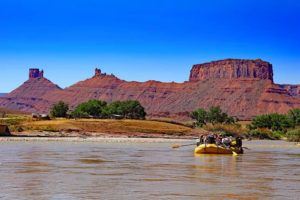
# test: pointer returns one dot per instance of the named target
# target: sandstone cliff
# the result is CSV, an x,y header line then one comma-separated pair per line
x,y
232,69
293,90
243,88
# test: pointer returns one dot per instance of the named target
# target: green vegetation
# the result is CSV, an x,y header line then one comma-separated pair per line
x,y
119,109
294,116
227,129
269,126
214,116
59,109
293,135
14,122
276,126
274,122
125,109
201,117
94,108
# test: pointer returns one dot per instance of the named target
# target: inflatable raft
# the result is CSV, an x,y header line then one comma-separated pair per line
x,y
214,149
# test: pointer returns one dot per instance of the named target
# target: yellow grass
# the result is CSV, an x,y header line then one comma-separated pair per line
x,y
106,126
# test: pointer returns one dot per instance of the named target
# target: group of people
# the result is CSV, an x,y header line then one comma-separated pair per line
x,y
220,140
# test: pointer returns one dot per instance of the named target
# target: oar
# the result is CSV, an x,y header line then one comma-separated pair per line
x,y
234,153
175,146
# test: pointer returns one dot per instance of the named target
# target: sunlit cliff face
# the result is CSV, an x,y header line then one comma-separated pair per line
x,y
242,88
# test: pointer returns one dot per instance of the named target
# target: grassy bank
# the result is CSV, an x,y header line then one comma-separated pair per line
x,y
22,125
106,126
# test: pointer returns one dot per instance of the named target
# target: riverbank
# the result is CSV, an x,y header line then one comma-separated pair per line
x,y
26,126
111,128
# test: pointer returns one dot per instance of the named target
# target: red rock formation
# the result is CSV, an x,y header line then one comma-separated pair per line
x,y
97,72
232,69
35,73
243,88
293,90
30,93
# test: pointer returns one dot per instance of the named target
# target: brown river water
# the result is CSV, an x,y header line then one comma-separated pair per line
x,y
99,170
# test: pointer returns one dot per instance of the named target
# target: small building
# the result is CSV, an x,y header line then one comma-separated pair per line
x,y
38,116
4,130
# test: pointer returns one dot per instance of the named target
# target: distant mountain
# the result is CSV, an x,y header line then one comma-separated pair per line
x,y
30,93
242,88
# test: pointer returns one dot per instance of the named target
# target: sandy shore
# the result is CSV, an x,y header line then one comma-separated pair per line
x,y
94,139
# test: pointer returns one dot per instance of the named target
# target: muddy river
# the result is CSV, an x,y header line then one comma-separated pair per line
x,y
133,170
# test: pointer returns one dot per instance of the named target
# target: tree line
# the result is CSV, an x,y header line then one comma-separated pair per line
x,y
271,126
130,109
277,125
213,115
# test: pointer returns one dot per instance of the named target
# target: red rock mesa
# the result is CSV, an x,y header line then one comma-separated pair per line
x,y
243,88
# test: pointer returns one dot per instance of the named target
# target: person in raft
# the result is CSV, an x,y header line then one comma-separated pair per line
x,y
219,140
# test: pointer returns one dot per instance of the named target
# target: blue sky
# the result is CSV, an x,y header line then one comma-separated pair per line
x,y
144,40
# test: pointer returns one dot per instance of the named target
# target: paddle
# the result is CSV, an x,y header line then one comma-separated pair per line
x,y
234,153
175,146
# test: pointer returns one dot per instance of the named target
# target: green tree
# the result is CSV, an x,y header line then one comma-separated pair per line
x,y
230,120
200,115
215,115
130,109
274,122
294,116
114,108
134,110
94,108
59,109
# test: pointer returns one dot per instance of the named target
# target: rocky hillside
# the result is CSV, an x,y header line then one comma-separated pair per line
x,y
293,90
243,88
29,94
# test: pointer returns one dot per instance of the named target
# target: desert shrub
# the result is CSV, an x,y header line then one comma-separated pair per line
x,y
15,123
260,134
293,135
59,109
263,133
277,135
